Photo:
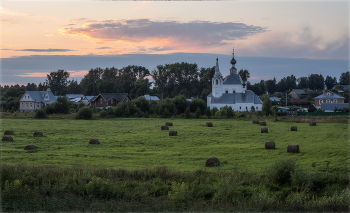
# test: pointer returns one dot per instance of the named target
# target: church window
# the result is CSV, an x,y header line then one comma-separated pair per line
x,y
240,107
335,101
256,107
217,82
246,107
233,91
226,91
328,101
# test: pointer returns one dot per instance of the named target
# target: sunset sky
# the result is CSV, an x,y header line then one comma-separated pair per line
x,y
270,38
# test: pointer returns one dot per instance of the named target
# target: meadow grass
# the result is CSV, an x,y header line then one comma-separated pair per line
x,y
136,143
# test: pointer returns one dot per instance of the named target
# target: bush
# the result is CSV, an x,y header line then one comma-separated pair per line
x,y
198,112
166,107
281,171
214,110
187,113
141,103
180,103
198,103
84,113
208,112
40,114
229,112
103,113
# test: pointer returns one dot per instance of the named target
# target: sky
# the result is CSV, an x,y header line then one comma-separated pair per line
x,y
270,38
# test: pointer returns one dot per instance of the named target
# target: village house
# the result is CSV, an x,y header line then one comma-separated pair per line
x,y
152,98
107,100
231,91
298,93
328,97
34,100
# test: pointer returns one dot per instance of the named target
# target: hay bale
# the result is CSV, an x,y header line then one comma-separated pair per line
x,y
264,130
172,133
94,141
312,124
164,128
209,124
262,123
256,122
7,138
212,161
168,123
293,148
8,132
30,147
38,134
270,145
293,128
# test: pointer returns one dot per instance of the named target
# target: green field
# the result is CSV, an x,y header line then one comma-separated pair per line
x,y
134,143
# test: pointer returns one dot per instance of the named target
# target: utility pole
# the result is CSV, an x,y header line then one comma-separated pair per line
x,y
286,99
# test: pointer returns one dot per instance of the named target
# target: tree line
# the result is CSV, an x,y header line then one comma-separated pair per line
x,y
169,80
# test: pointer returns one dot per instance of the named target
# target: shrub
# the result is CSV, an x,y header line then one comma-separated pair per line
x,y
141,103
223,112
178,192
198,103
198,112
187,113
214,110
281,171
267,104
166,107
103,113
252,109
229,112
208,112
84,113
40,114
181,103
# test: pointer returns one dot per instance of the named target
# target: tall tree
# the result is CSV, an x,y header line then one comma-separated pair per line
x,y
303,83
58,81
73,87
330,82
91,82
141,88
270,86
244,75
316,82
344,78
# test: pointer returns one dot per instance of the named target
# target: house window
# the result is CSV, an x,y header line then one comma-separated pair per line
x,y
22,104
321,101
100,101
328,93
31,105
256,107
217,82
38,105
328,101
26,104
111,101
335,101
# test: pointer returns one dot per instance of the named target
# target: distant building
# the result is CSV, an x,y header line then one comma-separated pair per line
x,y
329,107
107,100
328,97
152,98
34,100
231,91
298,93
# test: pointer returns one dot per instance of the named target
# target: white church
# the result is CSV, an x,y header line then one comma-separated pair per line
x,y
231,91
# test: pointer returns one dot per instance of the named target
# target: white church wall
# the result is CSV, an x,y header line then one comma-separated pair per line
x,y
237,107
230,88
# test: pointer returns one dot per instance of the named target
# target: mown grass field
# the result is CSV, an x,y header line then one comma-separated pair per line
x,y
134,143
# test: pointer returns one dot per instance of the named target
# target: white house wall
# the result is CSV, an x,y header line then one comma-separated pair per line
x,y
28,106
237,106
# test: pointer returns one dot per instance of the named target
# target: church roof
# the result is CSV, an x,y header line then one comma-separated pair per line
x,y
232,98
232,79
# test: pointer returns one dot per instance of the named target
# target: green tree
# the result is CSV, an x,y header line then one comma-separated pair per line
x,y
180,103
58,81
198,103
14,92
303,82
330,82
142,104
166,107
344,78
91,82
141,87
316,82
270,86
267,104
244,75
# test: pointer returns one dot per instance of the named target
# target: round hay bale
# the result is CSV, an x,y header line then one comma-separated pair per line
x,y
38,134
256,122
30,147
7,138
94,141
262,123
293,128
312,124
172,133
270,145
8,132
209,124
164,128
212,161
264,130
293,148
168,123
